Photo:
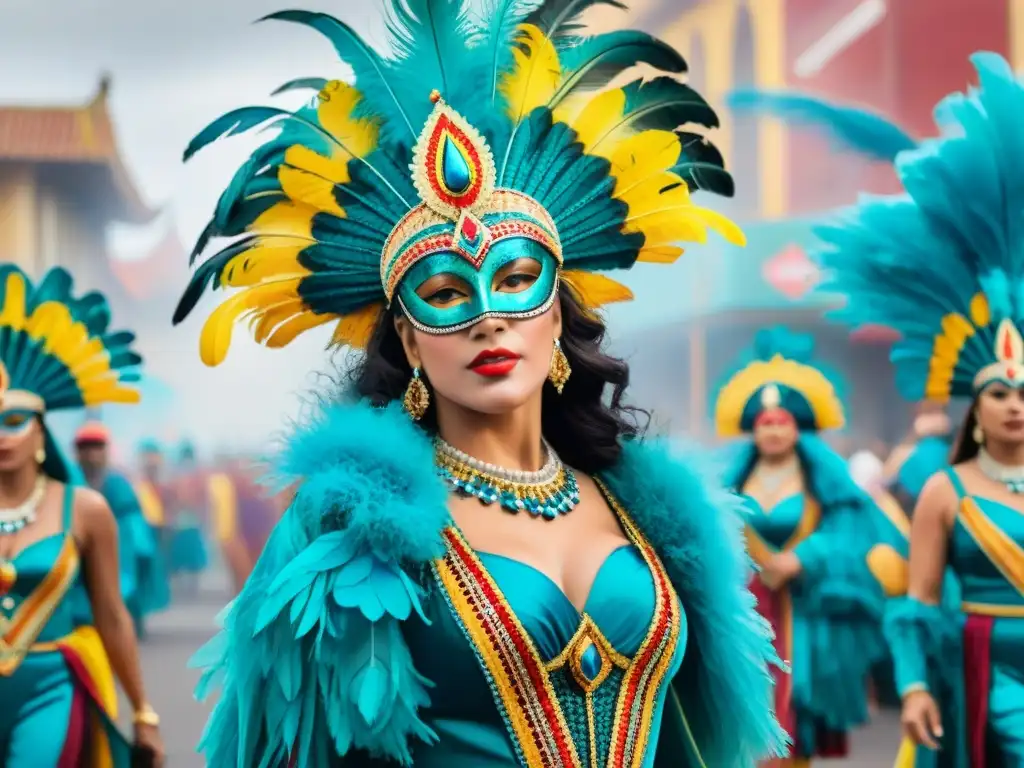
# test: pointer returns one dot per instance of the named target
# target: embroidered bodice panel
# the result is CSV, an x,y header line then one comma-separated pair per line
x,y
618,612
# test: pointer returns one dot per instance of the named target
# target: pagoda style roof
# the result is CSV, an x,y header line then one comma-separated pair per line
x,y
74,135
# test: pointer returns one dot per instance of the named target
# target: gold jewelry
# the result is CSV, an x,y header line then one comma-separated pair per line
x,y
146,715
978,434
40,456
417,396
560,369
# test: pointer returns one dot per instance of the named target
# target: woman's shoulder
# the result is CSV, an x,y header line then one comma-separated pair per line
x,y
368,471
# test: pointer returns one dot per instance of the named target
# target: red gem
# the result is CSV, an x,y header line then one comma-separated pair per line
x,y
1010,374
470,230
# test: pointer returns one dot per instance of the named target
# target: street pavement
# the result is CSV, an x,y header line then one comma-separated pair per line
x,y
177,633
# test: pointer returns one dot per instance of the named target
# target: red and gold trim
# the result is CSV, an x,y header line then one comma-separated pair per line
x,y
520,679
510,659
19,632
647,671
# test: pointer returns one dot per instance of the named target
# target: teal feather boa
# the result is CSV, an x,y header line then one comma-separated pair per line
x,y
312,656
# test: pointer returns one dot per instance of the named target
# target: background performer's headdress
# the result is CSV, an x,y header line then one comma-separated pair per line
x,y
942,264
59,351
777,374
472,132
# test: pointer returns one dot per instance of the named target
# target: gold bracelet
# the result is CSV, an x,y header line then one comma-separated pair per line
x,y
146,715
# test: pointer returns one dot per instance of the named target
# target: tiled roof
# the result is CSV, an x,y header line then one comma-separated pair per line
x,y
75,134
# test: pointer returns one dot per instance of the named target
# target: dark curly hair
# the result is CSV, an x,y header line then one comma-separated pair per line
x,y
583,427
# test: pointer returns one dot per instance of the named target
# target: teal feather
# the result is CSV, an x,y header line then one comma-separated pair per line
x,y
301,84
561,18
495,32
907,261
594,62
701,165
853,129
665,104
376,81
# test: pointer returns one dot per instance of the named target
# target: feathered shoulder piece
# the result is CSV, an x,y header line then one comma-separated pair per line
x,y
943,264
311,657
776,378
467,133
58,349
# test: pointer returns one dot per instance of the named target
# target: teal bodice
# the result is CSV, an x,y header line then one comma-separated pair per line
x,y
33,565
980,580
621,604
777,525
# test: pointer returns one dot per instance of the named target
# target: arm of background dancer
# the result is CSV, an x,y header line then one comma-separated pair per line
x,y
892,465
102,579
929,537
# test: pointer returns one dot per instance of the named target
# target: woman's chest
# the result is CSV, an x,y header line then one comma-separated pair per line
x,y
987,546
780,524
508,650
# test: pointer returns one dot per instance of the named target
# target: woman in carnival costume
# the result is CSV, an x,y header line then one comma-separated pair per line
x,y
817,537
59,699
144,581
484,564
943,264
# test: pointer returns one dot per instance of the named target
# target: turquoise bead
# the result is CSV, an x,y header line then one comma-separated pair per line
x,y
455,169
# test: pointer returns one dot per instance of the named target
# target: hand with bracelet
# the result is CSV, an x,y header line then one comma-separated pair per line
x,y
147,733
920,717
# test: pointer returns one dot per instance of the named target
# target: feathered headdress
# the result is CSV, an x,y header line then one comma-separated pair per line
x,y
776,374
58,350
470,132
943,264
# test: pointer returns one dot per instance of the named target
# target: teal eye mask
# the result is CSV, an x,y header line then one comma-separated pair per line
x,y
484,299
16,421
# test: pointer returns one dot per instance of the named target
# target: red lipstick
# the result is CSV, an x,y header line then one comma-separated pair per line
x,y
494,362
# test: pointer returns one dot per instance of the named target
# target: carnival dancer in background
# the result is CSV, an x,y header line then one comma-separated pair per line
x,y
58,693
154,492
820,541
190,513
144,585
926,450
256,512
223,496
483,563
943,265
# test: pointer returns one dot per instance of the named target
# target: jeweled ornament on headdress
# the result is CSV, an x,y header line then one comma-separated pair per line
x,y
473,144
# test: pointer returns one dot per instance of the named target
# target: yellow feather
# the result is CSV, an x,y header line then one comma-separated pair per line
x,y
597,118
688,223
263,323
595,290
642,156
286,332
13,314
310,189
356,328
659,254
286,218
216,334
272,258
571,107
534,76
358,136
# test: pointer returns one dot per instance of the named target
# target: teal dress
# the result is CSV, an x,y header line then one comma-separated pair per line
x,y
986,551
188,545
471,731
55,711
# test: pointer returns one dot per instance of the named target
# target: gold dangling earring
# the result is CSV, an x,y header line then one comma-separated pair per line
x,y
560,369
978,434
40,456
417,396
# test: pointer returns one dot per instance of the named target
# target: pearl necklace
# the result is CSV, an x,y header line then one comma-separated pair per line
x,y
550,491
1010,476
14,519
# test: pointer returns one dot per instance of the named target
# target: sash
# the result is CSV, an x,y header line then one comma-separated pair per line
x,y
19,632
519,680
1004,553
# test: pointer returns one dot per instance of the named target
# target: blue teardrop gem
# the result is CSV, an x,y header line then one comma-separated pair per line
x,y
457,176
591,662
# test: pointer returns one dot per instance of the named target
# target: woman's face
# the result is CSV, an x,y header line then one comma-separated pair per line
x,y
21,437
492,367
1000,413
775,433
